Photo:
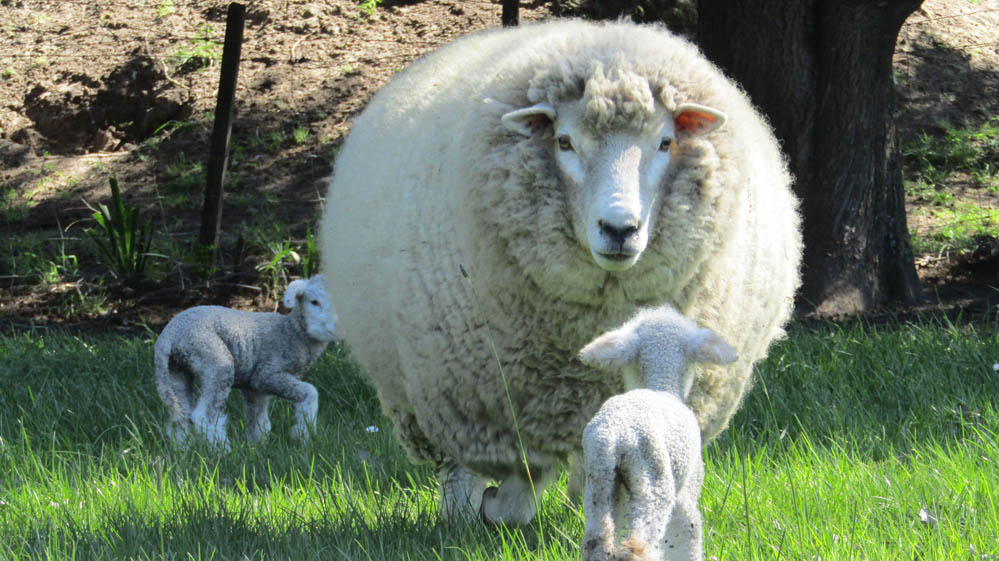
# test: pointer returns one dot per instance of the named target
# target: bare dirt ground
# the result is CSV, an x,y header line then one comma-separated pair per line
x,y
90,89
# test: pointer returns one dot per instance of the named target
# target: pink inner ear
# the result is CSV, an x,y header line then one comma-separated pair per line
x,y
692,122
538,122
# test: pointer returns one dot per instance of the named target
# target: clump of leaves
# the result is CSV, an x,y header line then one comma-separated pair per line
x,y
310,262
200,53
122,240
369,7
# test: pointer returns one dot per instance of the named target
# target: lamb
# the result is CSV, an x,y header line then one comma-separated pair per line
x,y
642,450
576,172
263,354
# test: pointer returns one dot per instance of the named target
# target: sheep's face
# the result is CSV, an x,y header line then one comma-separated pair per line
x,y
314,303
614,177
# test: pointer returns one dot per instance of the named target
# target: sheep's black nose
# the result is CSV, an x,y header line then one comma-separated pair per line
x,y
617,234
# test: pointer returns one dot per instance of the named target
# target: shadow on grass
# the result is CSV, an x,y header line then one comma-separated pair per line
x,y
320,526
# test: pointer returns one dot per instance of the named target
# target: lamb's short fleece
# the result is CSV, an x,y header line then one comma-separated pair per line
x,y
642,450
262,354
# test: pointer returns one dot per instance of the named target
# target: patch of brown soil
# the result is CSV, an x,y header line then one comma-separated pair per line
x,y
88,90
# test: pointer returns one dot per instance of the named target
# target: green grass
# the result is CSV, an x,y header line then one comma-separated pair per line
x,y
856,443
958,226
937,163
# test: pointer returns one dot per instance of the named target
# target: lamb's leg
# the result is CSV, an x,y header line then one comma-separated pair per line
x,y
683,539
515,501
258,422
302,394
600,503
652,490
208,415
175,388
461,491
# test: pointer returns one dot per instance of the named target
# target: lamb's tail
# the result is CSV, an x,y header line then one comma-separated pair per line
x,y
632,550
174,387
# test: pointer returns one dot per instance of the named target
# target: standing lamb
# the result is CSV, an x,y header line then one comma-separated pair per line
x,y
642,450
263,354
576,171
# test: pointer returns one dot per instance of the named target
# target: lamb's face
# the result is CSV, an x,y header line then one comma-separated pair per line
x,y
316,307
613,178
320,319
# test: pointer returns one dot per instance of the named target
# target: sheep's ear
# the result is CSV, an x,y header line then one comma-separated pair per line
x,y
708,346
530,120
612,349
691,119
295,289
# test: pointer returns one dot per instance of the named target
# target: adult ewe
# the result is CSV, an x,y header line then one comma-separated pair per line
x,y
261,353
576,171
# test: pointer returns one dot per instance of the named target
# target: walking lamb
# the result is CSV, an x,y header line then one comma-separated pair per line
x,y
642,450
263,354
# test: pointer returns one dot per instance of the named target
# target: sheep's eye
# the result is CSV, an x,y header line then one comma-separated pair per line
x,y
665,144
564,143
314,302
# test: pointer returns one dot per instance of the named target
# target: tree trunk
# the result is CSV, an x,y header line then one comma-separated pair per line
x,y
821,71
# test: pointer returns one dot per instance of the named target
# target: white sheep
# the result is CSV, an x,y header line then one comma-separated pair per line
x,y
576,171
642,450
263,354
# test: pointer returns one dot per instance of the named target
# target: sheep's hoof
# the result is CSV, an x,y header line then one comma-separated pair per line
x,y
487,495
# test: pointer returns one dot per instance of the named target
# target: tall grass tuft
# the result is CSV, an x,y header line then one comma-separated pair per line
x,y
121,237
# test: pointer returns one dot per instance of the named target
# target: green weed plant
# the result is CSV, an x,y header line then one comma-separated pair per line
x,y
122,238
369,8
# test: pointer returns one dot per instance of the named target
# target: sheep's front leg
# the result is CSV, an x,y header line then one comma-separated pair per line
x,y
258,421
302,394
515,501
461,491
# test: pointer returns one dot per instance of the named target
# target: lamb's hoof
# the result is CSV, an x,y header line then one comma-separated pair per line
x,y
595,549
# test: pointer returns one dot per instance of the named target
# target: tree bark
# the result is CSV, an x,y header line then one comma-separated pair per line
x,y
821,71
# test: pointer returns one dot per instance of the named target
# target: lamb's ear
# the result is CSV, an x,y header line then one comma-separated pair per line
x,y
692,120
295,289
612,349
530,120
708,346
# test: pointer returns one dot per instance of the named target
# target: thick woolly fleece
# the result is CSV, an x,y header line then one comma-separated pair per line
x,y
262,354
430,185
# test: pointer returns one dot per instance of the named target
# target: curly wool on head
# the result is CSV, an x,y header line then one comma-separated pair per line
x,y
615,93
